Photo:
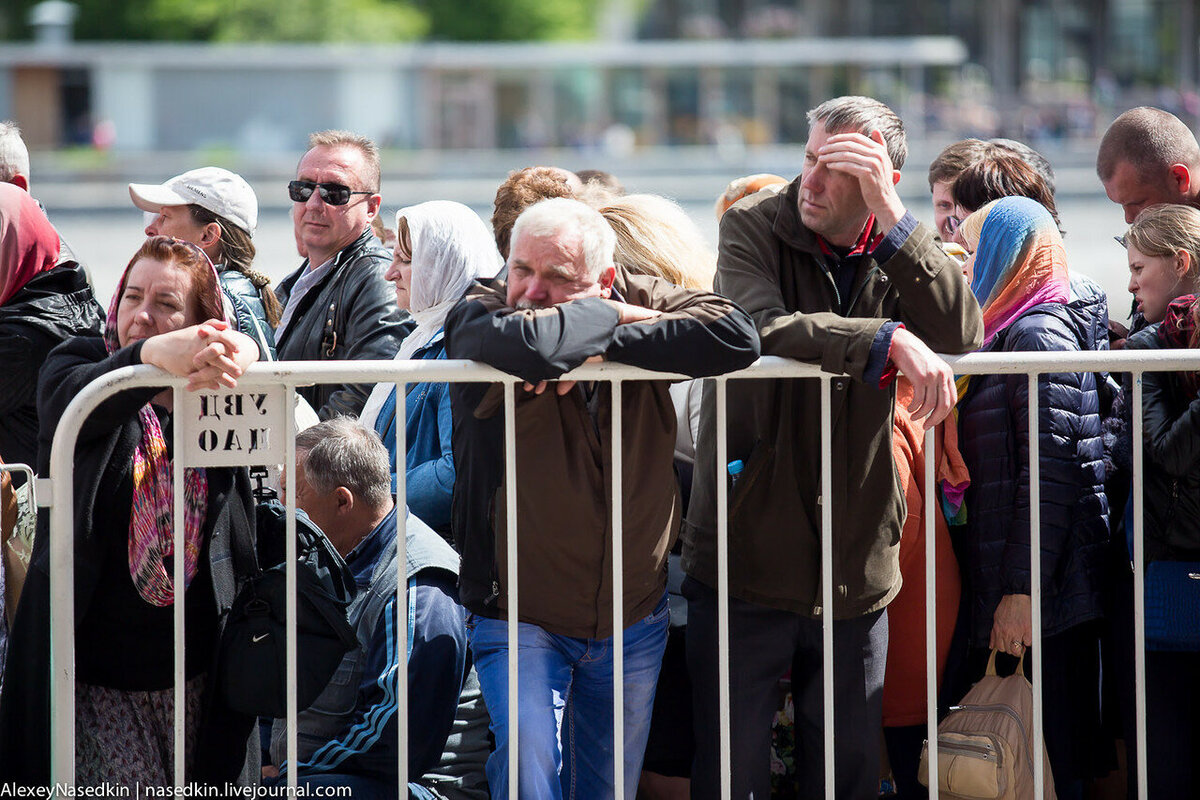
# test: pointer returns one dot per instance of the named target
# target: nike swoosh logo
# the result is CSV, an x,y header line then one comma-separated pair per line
x,y
257,639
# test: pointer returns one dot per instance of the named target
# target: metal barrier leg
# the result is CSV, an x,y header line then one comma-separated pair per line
x,y
931,667
179,604
290,553
723,585
1139,592
400,456
510,482
827,581
1035,587
618,617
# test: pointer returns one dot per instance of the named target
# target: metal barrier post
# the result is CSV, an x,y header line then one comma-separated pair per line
x,y
931,665
1035,585
401,458
178,591
722,435
510,482
826,500
618,616
1139,591
290,555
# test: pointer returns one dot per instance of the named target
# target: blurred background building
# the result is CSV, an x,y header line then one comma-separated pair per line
x,y
727,74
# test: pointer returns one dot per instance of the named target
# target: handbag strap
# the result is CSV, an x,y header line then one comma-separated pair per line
x,y
991,665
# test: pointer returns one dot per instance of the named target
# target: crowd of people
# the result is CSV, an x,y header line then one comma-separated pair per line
x,y
829,267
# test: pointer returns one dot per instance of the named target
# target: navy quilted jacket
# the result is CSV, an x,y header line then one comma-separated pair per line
x,y
993,436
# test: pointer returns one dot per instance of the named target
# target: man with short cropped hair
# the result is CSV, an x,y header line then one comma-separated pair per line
x,y
566,303
835,271
337,305
1149,156
944,170
349,735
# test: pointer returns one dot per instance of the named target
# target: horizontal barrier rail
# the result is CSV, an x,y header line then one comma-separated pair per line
x,y
290,375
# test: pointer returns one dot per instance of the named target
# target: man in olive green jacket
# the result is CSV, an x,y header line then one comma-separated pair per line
x,y
835,271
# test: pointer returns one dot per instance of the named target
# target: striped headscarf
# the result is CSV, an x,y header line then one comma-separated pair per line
x,y
151,524
1019,261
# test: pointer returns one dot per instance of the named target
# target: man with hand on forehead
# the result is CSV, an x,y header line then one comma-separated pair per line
x,y
337,305
834,270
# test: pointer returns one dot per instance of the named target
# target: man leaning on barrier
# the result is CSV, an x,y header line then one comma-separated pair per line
x,y
565,303
348,736
834,270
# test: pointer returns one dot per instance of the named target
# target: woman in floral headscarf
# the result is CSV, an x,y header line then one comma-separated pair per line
x,y
1018,272
124,538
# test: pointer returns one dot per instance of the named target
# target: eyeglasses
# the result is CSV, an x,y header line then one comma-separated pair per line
x,y
953,224
335,194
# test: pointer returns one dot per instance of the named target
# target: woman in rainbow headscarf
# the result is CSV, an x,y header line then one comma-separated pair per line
x,y
1018,272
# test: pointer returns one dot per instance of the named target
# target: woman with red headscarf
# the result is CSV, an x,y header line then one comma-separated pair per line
x,y
42,303
166,312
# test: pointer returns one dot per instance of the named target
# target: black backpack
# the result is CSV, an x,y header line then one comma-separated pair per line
x,y
253,658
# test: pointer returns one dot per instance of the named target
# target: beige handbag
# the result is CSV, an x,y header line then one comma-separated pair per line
x,y
18,521
985,742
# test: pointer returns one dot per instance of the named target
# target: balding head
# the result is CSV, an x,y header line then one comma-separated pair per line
x,y
1148,156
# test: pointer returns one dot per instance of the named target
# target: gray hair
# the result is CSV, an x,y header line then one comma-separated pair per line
x,y
340,452
865,115
561,215
14,155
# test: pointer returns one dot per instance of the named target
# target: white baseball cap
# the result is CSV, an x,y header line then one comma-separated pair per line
x,y
217,190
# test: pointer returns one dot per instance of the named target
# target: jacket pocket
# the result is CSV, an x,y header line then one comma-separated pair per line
x,y
761,455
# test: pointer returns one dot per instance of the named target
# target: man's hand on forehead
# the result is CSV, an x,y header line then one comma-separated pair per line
x,y
866,159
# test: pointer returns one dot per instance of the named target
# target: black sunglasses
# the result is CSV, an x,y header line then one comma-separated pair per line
x,y
335,194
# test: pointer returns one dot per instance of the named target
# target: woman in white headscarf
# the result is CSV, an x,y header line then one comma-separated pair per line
x,y
442,247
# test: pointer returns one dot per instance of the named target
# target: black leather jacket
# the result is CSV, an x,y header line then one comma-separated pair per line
x,y
351,314
52,307
1171,484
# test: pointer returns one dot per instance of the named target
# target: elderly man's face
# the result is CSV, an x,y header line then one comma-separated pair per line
x,y
324,229
544,271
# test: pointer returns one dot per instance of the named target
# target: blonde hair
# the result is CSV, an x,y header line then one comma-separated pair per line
x,y
657,237
1164,230
354,141
971,228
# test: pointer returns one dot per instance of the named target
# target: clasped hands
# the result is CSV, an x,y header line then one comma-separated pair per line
x,y
210,355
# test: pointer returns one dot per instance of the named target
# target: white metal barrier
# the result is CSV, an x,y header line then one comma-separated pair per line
x,y
292,374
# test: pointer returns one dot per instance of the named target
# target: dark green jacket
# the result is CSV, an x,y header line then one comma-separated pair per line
x,y
771,266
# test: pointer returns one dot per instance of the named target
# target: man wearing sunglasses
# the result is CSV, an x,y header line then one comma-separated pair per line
x,y
337,305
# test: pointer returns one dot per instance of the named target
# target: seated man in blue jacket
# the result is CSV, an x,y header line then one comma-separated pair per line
x,y
349,736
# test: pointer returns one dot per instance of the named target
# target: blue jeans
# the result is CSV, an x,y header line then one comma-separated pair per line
x,y
566,703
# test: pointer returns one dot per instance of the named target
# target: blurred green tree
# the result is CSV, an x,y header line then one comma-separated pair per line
x,y
317,20
511,20
236,20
